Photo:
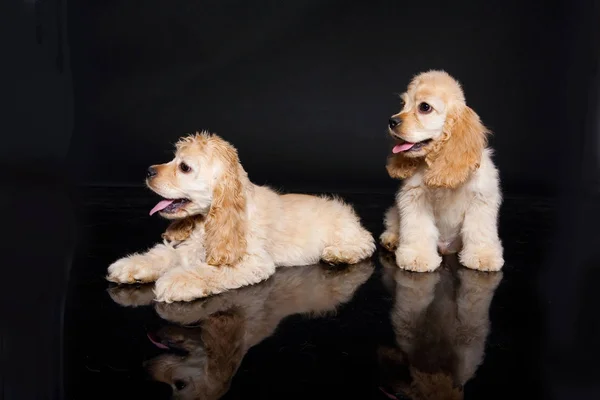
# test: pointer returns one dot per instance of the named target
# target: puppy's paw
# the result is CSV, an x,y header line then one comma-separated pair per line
x,y
482,258
180,284
389,241
181,313
131,270
336,255
417,260
422,282
478,280
131,296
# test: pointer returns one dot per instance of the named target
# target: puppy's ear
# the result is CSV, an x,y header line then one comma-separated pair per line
x,y
459,152
222,337
401,167
438,385
226,222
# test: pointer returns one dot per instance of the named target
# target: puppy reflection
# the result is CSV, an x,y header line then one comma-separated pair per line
x,y
441,322
202,356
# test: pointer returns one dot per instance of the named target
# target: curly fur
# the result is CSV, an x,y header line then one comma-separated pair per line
x,y
450,196
232,233
226,221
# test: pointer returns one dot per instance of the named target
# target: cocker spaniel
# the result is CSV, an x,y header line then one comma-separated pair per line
x,y
228,233
450,196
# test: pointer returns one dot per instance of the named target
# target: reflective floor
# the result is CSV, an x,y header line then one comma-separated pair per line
x,y
367,331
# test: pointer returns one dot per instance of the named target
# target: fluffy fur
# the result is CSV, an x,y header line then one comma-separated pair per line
x,y
205,353
231,233
450,196
441,322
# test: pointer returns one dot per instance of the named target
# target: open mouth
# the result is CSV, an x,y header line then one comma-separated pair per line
x,y
405,146
166,344
169,206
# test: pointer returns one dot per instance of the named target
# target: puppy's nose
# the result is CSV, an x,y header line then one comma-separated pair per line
x,y
151,172
394,122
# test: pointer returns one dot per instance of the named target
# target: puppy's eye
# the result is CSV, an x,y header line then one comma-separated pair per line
x,y
425,108
184,167
179,384
402,104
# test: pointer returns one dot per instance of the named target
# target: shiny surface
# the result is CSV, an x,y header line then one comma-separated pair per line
x,y
365,331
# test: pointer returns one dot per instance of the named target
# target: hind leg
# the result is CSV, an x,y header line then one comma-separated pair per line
x,y
390,237
350,244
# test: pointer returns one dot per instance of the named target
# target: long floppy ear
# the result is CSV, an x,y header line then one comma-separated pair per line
x,y
226,221
401,167
459,152
223,338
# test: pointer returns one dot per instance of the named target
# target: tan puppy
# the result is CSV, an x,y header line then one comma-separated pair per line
x,y
231,233
201,357
450,195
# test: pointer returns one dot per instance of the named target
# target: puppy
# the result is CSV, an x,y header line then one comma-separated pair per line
x,y
229,232
450,196
441,323
202,353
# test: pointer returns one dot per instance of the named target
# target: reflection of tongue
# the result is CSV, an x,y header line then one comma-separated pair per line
x,y
161,206
157,342
391,396
399,148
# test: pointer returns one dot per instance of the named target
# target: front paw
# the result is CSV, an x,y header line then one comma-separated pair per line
x,y
417,260
389,241
181,313
131,296
180,285
131,270
482,258
478,280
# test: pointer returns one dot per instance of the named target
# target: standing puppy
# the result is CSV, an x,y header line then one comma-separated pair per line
x,y
228,232
450,195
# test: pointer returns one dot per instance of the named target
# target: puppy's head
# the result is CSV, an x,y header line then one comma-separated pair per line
x,y
189,181
182,364
199,363
402,381
436,128
205,178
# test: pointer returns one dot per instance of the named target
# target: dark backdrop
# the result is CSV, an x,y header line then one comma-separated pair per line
x,y
304,88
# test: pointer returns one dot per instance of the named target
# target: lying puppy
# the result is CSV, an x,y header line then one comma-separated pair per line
x,y
441,322
451,191
201,357
231,233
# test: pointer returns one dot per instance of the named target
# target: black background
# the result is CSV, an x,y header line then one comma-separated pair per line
x,y
94,91
304,88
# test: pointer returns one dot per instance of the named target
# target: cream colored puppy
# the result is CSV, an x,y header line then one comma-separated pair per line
x,y
450,196
229,232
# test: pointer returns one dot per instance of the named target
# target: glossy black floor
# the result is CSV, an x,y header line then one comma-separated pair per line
x,y
308,332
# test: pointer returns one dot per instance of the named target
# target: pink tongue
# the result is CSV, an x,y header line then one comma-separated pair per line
x,y
161,206
399,148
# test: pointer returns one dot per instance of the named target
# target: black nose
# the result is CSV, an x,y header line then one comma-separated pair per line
x,y
394,122
151,172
